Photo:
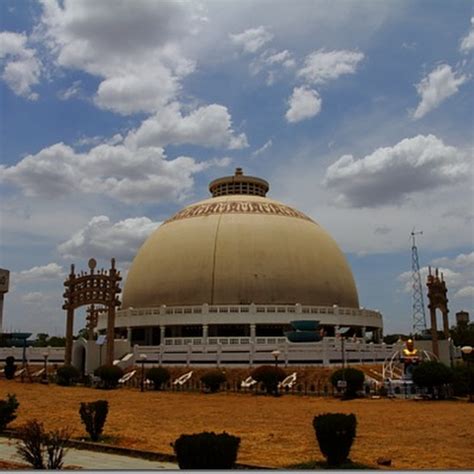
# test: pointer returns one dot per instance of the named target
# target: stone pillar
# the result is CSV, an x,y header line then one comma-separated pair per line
x,y
364,329
162,334
253,332
110,335
445,323
69,329
205,328
129,335
434,332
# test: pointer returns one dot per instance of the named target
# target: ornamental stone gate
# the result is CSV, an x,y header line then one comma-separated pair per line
x,y
93,288
437,296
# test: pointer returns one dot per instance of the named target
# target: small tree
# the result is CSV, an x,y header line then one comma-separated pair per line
x,y
432,374
93,415
158,375
8,408
269,376
10,368
109,375
354,379
213,380
206,450
67,375
40,449
335,433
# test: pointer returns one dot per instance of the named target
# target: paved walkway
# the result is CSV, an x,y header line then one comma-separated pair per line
x,y
89,459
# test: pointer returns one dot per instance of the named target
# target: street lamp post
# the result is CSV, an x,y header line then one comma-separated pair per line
x,y
142,381
467,351
276,353
45,373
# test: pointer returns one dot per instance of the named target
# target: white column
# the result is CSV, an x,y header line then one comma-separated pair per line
x,y
363,332
129,335
205,330
162,334
253,331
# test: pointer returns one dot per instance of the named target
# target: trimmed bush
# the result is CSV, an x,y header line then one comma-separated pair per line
x,y
10,368
461,380
109,375
206,450
8,408
213,380
158,375
354,379
269,376
432,374
93,416
67,375
335,433
35,443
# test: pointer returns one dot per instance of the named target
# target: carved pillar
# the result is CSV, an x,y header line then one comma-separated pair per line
x,y
69,329
204,333
162,334
445,323
434,331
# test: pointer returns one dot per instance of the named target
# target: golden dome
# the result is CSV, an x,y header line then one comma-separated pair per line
x,y
239,249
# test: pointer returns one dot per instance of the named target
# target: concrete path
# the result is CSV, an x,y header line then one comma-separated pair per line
x,y
89,459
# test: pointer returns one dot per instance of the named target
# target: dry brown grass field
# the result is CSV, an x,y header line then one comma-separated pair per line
x,y
275,432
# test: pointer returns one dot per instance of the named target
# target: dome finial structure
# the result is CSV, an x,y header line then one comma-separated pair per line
x,y
239,184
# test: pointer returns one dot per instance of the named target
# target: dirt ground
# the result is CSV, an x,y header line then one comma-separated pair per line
x,y
274,432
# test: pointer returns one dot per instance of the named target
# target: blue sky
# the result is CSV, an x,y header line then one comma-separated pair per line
x,y
115,114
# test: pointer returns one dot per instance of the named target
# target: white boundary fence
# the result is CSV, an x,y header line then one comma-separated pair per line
x,y
235,352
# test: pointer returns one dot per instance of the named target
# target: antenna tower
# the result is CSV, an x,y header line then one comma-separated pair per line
x,y
419,318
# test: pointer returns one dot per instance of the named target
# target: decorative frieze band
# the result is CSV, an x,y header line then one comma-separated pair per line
x,y
238,207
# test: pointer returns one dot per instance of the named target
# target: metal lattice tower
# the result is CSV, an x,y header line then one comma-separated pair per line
x,y
419,318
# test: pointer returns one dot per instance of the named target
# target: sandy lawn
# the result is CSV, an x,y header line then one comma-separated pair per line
x,y
275,431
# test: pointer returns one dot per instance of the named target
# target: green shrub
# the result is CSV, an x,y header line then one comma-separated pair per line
x,y
67,375
269,376
213,380
35,443
93,415
158,375
335,433
354,379
432,374
461,380
10,368
109,375
8,408
206,450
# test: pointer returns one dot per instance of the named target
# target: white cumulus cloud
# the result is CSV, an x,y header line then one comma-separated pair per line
x,y
436,87
389,174
123,173
101,237
21,69
253,39
133,47
467,43
209,125
51,271
304,103
323,66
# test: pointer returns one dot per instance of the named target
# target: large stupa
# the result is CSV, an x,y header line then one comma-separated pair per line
x,y
242,266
